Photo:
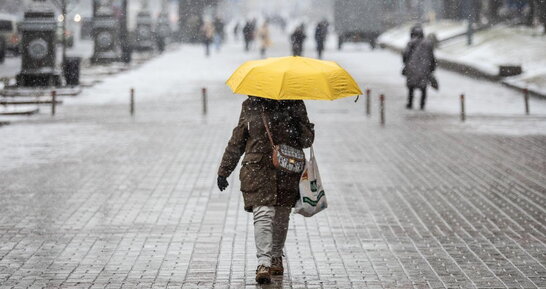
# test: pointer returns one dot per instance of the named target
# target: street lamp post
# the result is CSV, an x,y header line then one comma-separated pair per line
x,y
471,15
64,32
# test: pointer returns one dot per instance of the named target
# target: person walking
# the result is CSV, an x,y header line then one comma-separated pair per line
x,y
297,38
320,36
248,33
265,40
419,64
2,49
236,31
207,30
219,33
160,42
268,192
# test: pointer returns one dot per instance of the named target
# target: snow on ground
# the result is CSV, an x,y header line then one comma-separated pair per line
x,y
181,73
381,70
499,45
17,109
491,107
181,66
399,36
10,67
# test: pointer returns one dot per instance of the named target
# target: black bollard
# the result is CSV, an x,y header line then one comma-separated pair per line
x,y
204,94
368,102
132,102
463,114
382,109
526,99
53,102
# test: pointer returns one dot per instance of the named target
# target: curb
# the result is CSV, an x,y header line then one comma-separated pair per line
x,y
20,112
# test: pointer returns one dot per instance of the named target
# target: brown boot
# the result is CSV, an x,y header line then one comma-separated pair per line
x,y
263,275
276,266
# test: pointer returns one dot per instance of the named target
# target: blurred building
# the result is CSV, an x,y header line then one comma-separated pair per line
x,y
191,15
14,7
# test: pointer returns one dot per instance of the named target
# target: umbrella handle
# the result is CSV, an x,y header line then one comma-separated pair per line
x,y
357,97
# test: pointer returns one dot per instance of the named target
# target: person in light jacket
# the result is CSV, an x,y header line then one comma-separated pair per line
x,y
265,40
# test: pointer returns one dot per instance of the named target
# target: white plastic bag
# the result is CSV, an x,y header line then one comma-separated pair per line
x,y
312,198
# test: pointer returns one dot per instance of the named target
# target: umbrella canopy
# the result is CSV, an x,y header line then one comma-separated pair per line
x,y
293,78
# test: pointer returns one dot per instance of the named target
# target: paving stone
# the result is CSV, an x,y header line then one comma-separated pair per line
x,y
119,202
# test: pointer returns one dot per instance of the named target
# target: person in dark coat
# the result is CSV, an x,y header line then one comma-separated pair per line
x,y
297,38
236,31
219,32
2,49
419,63
267,192
207,31
248,33
320,36
160,42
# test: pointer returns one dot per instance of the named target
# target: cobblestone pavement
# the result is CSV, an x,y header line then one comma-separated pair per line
x,y
96,199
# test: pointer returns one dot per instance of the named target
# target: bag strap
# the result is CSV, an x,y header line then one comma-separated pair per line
x,y
268,131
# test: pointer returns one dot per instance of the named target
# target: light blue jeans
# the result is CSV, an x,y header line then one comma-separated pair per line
x,y
270,228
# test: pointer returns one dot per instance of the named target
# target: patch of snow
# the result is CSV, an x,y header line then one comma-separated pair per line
x,y
398,37
499,45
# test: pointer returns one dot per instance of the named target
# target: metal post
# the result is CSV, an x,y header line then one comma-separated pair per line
x,y
463,115
53,102
470,7
132,104
63,11
368,102
526,99
204,93
382,109
6,82
469,33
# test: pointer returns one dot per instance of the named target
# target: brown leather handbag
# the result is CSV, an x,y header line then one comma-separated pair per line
x,y
285,158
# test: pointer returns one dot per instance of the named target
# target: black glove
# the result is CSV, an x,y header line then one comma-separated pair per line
x,y
222,183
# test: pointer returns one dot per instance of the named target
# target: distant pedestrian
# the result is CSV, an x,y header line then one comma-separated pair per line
x,y
219,33
236,31
248,33
2,49
297,38
160,42
265,40
282,24
321,31
127,48
207,31
268,192
419,63
195,29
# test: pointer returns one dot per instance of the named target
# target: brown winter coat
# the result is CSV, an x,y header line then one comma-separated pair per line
x,y
261,183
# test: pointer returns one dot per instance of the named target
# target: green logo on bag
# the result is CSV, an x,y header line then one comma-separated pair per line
x,y
311,202
314,187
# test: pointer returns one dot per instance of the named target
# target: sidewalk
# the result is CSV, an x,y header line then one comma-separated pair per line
x,y
94,198
492,47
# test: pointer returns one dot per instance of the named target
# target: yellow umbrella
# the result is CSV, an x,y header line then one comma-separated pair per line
x,y
293,78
